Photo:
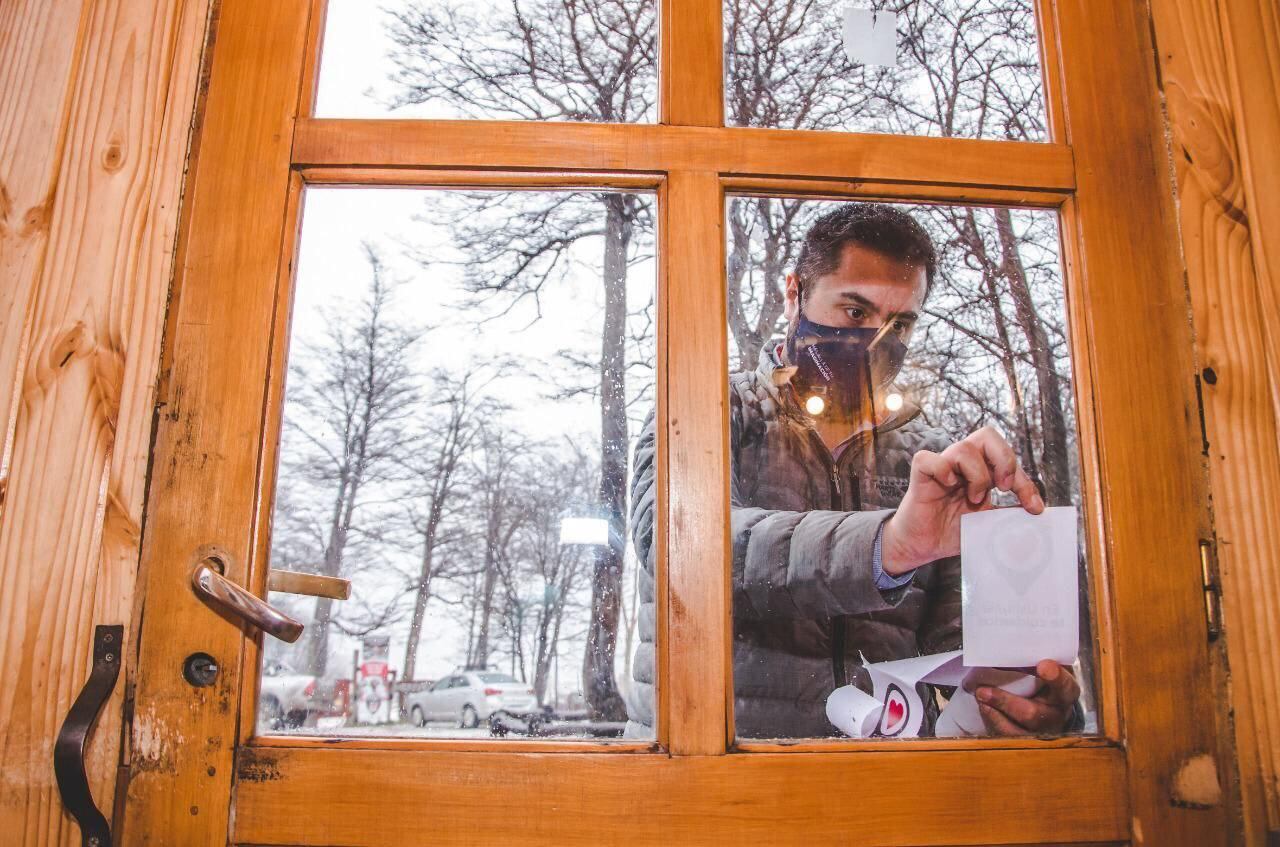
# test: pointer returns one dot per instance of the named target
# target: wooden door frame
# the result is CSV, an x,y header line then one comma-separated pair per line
x,y
214,466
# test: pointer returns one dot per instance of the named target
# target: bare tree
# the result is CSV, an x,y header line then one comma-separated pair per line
x,y
502,511
350,394
584,60
436,473
557,571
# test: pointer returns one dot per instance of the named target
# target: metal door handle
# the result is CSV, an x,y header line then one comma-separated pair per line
x,y
230,599
68,750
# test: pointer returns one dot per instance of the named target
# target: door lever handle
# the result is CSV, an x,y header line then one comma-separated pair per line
x,y
226,597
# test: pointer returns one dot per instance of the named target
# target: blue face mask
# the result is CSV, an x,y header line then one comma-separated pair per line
x,y
840,365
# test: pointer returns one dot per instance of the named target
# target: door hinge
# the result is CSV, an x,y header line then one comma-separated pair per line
x,y
1212,589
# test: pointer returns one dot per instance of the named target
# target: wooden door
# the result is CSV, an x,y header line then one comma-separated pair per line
x,y
201,773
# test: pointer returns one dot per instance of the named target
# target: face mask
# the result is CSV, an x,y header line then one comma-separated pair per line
x,y
835,365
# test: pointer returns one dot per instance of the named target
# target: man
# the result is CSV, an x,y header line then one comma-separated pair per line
x,y
845,505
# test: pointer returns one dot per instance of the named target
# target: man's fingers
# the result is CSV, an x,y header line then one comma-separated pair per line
x,y
1028,494
981,462
990,677
997,723
1006,472
1032,714
968,461
926,464
1060,685
998,455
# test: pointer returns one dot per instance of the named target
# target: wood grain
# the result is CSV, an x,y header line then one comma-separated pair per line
x,y
313,585
325,142
1251,34
37,53
696,644
690,63
101,243
206,466
1093,502
1237,342
1142,378
774,799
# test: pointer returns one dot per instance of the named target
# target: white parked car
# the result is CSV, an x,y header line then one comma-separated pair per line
x,y
469,697
285,698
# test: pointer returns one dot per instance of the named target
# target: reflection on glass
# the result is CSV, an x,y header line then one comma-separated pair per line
x,y
861,335
954,68
543,60
465,371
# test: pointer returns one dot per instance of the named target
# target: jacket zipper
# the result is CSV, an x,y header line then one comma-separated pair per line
x,y
838,623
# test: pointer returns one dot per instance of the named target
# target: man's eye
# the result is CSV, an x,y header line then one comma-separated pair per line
x,y
855,314
901,326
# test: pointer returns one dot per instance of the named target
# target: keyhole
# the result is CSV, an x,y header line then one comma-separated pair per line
x,y
200,669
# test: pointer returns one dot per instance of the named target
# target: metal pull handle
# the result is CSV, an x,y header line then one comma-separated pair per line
x,y
68,750
232,600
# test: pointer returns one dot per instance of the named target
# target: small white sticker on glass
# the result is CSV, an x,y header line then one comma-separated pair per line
x,y
871,37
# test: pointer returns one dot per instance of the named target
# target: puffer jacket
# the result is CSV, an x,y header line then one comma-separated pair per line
x,y
806,611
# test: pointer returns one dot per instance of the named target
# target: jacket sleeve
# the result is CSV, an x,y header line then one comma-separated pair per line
x,y
806,564
644,483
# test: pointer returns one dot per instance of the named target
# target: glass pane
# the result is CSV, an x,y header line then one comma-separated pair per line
x,y
867,341
956,68
544,60
466,372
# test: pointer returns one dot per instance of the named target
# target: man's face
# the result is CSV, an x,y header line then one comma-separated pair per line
x,y
867,289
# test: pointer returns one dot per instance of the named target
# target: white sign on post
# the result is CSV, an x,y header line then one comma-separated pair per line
x,y
871,37
1019,587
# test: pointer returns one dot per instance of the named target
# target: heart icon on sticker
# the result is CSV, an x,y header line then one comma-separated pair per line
x,y
896,714
1020,554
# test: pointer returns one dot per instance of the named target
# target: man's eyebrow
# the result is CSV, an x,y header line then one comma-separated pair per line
x,y
855,297
859,299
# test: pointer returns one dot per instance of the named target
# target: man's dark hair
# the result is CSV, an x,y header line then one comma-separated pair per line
x,y
878,226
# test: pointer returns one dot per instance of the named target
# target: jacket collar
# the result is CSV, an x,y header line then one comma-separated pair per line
x,y
778,373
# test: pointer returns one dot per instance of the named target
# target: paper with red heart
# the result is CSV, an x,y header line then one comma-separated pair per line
x,y
1019,587
894,708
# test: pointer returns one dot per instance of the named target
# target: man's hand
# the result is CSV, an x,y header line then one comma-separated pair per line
x,y
1045,712
943,487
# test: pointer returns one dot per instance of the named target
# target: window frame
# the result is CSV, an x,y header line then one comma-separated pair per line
x,y
262,55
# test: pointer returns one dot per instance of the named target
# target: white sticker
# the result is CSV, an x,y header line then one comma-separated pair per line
x,y
1019,587
871,37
